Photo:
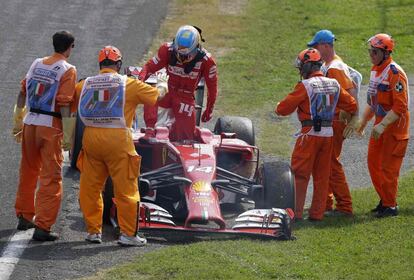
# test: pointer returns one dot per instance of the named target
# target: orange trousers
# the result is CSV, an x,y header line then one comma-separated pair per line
x,y
311,156
385,157
109,152
41,169
338,187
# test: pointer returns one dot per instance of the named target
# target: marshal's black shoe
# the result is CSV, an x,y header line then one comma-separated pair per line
x,y
378,208
387,212
43,235
24,224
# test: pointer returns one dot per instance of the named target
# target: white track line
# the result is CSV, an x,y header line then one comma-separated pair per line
x,y
17,243
11,254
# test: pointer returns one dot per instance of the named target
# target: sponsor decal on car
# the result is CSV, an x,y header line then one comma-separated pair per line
x,y
205,169
202,186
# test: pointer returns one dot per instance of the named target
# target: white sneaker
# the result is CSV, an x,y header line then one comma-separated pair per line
x,y
125,240
94,238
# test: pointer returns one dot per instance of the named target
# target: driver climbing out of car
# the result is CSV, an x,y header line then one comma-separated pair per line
x,y
186,62
315,99
107,104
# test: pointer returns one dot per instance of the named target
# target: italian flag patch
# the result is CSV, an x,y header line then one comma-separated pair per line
x,y
39,89
101,95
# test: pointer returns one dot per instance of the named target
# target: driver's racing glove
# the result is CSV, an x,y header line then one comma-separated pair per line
x,y
162,85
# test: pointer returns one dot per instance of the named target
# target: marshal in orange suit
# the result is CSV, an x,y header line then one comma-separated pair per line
x,y
107,104
333,67
388,100
315,99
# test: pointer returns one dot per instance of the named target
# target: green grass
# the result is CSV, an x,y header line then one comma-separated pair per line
x,y
337,248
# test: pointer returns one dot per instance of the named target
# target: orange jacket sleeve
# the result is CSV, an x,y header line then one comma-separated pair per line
x,y
346,102
142,92
398,86
291,102
66,89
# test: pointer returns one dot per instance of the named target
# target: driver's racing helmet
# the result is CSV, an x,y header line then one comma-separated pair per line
x,y
111,53
186,43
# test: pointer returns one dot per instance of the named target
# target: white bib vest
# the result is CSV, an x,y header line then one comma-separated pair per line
x,y
323,94
381,83
102,101
336,64
353,74
42,84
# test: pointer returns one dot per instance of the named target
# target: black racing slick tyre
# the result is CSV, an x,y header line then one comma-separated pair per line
x,y
77,142
279,186
243,127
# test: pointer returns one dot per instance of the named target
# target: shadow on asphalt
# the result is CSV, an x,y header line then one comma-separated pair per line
x,y
40,251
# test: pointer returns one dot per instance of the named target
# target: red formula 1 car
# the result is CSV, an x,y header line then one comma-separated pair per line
x,y
184,184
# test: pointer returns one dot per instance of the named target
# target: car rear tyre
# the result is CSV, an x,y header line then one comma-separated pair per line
x,y
243,127
279,186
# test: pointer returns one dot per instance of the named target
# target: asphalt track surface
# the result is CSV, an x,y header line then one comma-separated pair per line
x,y
25,34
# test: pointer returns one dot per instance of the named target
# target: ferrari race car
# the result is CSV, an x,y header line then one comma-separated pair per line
x,y
183,185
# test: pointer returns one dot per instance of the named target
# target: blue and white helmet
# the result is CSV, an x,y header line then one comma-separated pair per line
x,y
187,40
